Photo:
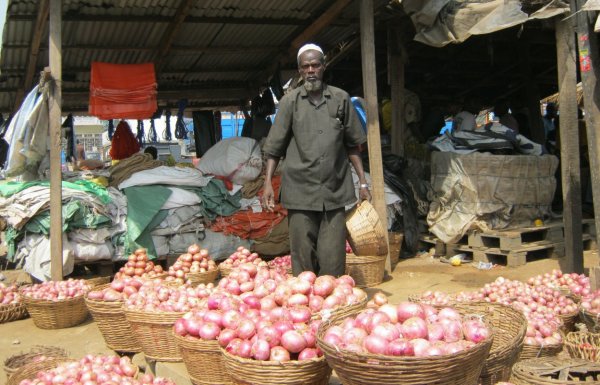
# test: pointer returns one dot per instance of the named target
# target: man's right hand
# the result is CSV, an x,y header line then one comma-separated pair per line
x,y
268,197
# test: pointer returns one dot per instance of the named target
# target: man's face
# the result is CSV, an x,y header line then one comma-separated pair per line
x,y
311,68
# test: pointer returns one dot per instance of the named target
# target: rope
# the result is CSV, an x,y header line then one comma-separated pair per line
x,y
140,132
152,137
167,132
111,129
180,130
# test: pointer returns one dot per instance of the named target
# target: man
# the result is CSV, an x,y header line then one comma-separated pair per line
x,y
505,118
466,119
549,120
317,131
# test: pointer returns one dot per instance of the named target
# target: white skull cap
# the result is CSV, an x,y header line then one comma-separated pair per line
x,y
307,47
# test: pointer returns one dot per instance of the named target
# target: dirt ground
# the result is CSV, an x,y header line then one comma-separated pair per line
x,y
411,275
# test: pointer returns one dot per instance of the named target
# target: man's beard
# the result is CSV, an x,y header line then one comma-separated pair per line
x,y
313,85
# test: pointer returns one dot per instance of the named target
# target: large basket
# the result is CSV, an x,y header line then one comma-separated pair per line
x,y
37,352
538,351
61,314
207,277
153,331
583,345
462,368
29,371
366,270
195,351
569,321
113,325
545,371
366,233
245,371
510,326
395,241
591,320
12,312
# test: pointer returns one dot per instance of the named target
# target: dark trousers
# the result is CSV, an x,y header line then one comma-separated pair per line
x,y
318,241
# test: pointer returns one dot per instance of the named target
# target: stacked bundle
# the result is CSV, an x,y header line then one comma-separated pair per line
x,y
126,91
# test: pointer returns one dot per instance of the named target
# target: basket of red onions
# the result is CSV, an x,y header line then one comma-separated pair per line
x,y
584,345
139,265
590,311
11,306
56,304
196,266
105,303
409,343
241,256
37,353
284,262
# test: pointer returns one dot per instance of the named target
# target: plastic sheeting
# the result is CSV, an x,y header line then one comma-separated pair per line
x,y
488,192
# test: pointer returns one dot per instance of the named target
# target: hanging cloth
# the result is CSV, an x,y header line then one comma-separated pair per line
x,y
204,131
111,129
167,132
180,130
124,143
152,134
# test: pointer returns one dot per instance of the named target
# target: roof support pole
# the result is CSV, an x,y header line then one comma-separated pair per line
x,y
569,145
55,100
367,44
589,67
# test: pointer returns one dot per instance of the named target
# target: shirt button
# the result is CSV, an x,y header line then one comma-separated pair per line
x,y
320,131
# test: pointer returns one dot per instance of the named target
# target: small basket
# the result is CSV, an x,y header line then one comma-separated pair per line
x,y
61,314
591,320
569,321
358,369
196,350
366,270
583,345
153,331
113,325
29,371
14,363
245,371
545,371
12,312
538,351
206,277
395,241
366,233
510,327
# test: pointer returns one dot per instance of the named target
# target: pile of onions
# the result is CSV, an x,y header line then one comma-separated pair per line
x,y
196,260
591,302
242,255
118,290
407,329
248,277
577,284
57,290
284,262
9,295
155,296
94,370
138,265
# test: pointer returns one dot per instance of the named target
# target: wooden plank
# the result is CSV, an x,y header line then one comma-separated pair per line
x,y
367,38
595,277
589,67
34,48
55,102
569,144
396,81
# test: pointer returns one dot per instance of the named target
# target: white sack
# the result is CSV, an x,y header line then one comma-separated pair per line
x,y
90,252
239,159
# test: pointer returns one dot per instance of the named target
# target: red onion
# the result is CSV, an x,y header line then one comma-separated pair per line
x,y
400,347
414,327
261,350
280,354
308,354
406,310
376,345
293,341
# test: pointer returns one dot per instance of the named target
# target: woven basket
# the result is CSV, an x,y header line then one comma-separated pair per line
x,y
395,241
366,233
224,270
56,314
198,278
366,270
418,298
16,362
462,368
591,320
98,281
196,350
113,325
569,321
537,351
510,326
539,371
153,331
583,345
12,312
341,311
245,371
29,371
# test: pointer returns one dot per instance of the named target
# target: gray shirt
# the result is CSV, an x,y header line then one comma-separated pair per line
x,y
313,138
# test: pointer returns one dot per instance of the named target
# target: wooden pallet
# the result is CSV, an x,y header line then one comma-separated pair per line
x,y
517,257
428,241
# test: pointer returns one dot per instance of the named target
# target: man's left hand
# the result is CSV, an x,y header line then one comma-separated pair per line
x,y
364,194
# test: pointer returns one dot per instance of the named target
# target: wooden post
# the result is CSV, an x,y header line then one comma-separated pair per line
x,y
396,81
569,144
55,53
367,43
589,67
531,92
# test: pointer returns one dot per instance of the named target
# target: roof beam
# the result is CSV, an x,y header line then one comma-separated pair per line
x,y
172,30
174,48
212,70
39,28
